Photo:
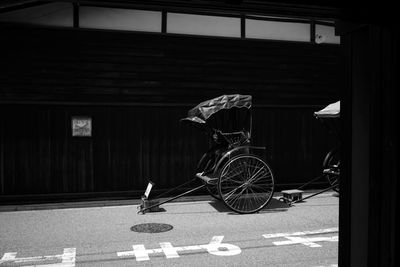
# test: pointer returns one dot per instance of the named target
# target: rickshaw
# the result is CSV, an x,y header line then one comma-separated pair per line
x,y
230,170
329,116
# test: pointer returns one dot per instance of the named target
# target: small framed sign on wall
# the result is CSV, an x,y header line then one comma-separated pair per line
x,y
81,126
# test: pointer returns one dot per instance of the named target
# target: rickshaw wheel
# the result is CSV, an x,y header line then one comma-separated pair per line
x,y
332,162
246,184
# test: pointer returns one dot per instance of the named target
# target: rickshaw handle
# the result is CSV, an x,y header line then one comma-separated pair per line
x,y
171,199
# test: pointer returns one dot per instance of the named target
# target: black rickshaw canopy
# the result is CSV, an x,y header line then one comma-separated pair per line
x,y
203,111
226,113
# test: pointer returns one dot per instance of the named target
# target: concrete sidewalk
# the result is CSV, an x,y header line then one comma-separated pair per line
x,y
106,203
94,203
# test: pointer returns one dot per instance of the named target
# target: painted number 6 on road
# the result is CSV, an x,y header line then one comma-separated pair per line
x,y
215,247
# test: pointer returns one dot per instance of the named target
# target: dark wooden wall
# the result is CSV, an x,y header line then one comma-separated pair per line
x,y
136,87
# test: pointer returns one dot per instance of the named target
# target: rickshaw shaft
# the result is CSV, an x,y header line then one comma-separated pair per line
x,y
313,180
173,189
315,194
173,198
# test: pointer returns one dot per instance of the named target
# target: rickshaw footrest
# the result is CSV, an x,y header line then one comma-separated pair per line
x,y
330,171
292,195
206,179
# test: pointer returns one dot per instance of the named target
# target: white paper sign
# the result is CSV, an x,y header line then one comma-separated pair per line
x,y
148,189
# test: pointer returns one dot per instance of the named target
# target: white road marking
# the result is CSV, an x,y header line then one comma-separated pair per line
x,y
314,232
169,250
67,259
296,237
10,256
215,247
309,242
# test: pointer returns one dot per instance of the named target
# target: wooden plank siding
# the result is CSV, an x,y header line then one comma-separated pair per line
x,y
136,87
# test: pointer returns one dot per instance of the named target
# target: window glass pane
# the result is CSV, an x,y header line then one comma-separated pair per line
x,y
277,30
203,25
55,14
326,34
119,19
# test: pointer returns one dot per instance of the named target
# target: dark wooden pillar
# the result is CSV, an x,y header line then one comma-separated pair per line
x,y
369,202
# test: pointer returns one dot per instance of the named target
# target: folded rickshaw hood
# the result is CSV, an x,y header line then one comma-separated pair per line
x,y
204,110
330,111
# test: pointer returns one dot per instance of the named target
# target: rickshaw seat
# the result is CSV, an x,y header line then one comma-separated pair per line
x,y
236,138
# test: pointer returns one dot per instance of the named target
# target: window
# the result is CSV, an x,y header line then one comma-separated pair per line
x,y
203,25
55,14
255,26
277,30
119,19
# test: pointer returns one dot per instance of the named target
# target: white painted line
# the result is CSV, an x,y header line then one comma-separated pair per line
x,y
8,257
67,259
298,237
309,242
314,232
215,247
169,250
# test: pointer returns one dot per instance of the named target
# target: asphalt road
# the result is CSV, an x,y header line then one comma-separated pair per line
x,y
204,233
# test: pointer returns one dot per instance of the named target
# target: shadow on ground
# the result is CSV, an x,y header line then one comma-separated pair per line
x,y
273,206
